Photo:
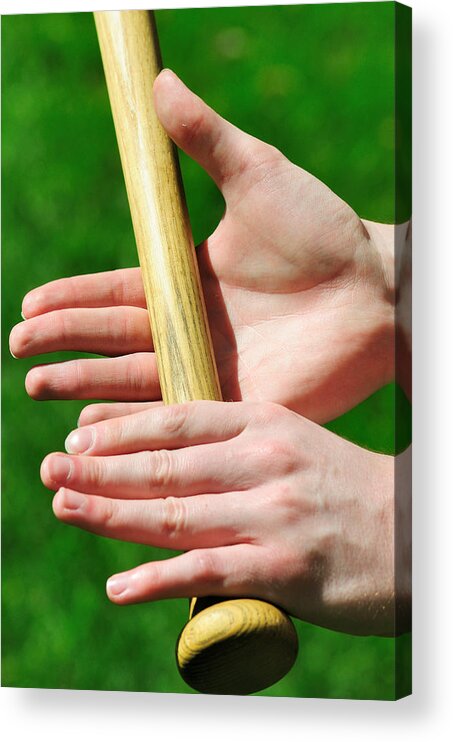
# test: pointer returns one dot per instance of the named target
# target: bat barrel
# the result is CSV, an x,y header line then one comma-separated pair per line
x,y
236,646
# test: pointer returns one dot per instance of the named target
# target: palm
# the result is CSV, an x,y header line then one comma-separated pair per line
x,y
294,287
289,301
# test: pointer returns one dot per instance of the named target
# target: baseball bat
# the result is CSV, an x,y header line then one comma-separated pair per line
x,y
234,646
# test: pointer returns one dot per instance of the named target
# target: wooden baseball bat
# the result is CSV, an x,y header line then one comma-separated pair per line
x,y
235,646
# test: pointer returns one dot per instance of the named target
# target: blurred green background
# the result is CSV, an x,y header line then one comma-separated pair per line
x,y
317,82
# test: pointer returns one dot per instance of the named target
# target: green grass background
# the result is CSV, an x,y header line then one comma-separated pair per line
x,y
317,82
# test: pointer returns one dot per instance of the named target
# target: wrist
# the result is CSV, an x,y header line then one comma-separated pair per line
x,y
359,594
375,581
383,238
390,513
392,243
378,565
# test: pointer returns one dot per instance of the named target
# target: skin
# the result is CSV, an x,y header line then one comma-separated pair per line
x,y
299,290
300,298
264,502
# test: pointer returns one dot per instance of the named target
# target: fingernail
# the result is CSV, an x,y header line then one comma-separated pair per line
x,y
60,469
18,340
79,441
175,77
118,585
73,500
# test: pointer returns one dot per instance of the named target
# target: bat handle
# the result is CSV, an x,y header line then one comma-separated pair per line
x,y
235,646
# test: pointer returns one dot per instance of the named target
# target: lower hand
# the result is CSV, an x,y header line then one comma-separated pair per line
x,y
265,504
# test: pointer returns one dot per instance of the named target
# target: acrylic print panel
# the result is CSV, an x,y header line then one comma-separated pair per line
x,y
312,512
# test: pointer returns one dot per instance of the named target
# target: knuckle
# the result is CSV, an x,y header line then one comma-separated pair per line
x,y
136,380
109,514
277,455
158,469
174,419
193,127
285,501
289,505
173,517
96,473
79,376
119,288
115,326
207,567
63,325
128,328
119,432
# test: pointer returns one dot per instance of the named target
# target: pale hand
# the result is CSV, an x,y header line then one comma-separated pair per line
x,y
266,504
298,289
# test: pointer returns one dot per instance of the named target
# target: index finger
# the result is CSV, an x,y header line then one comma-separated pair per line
x,y
123,287
172,426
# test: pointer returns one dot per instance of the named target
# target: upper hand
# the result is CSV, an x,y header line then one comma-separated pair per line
x,y
298,288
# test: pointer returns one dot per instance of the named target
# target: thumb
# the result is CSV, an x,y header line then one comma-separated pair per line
x,y
223,150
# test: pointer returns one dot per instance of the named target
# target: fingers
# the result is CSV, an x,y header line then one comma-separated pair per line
x,y
96,412
223,150
111,288
199,572
131,378
171,426
148,474
109,331
170,523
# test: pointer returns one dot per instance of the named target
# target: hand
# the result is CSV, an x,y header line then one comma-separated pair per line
x,y
265,503
299,290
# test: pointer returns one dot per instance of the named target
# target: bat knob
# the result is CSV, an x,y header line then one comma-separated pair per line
x,y
235,647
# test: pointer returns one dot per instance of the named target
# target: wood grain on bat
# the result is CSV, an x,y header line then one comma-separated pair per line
x,y
161,225
240,645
